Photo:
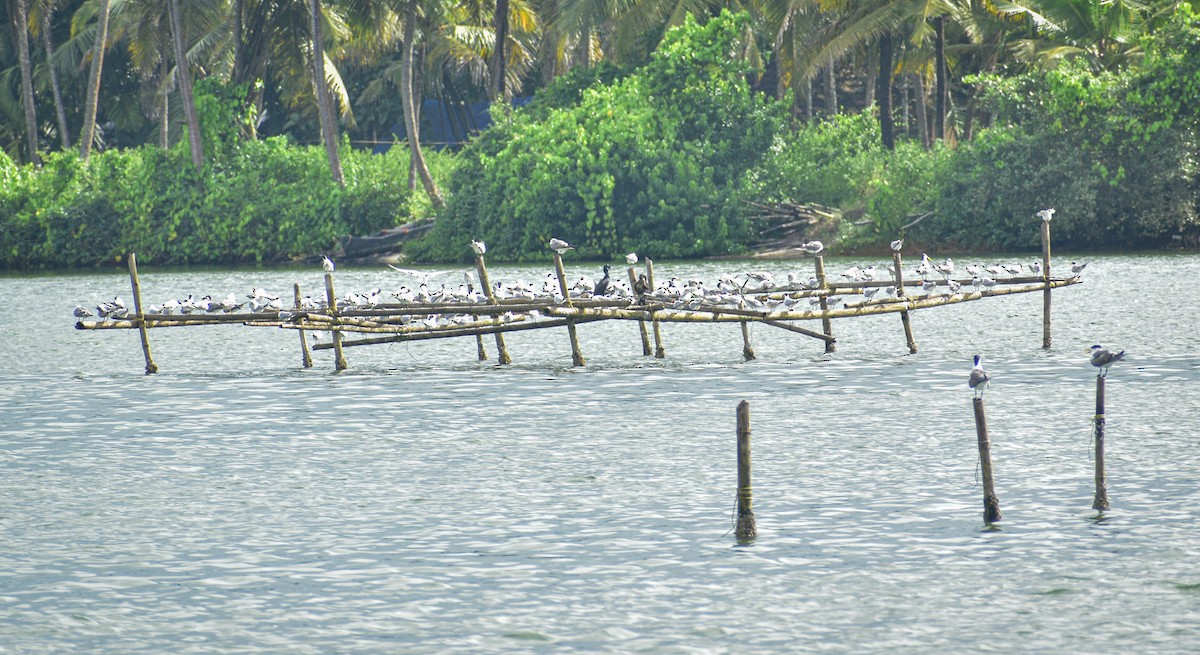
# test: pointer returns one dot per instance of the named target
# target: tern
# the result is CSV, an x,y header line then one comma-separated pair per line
x,y
559,246
1046,214
812,247
631,258
897,245
979,379
81,312
327,263
1077,269
1102,358
478,246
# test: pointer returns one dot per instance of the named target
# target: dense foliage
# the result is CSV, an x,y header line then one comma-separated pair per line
x,y
655,161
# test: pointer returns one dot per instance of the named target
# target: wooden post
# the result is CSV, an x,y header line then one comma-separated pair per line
x,y
908,334
501,348
339,362
747,349
305,355
826,324
151,367
480,351
641,324
1100,502
576,353
745,527
1046,280
659,352
991,504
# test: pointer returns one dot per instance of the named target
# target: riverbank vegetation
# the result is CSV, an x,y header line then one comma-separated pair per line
x,y
669,141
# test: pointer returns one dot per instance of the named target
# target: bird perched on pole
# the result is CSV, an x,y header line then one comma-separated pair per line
x,y
559,246
327,263
641,287
478,246
979,379
1046,214
631,258
1102,358
812,247
601,288
897,244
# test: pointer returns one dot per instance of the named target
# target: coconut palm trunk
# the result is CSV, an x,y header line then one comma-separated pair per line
x,y
60,112
93,93
498,86
329,131
21,30
940,109
184,77
409,107
883,93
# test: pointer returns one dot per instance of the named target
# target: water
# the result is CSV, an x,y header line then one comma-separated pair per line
x,y
423,502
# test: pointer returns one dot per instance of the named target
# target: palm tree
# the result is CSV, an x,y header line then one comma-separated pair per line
x,y
329,131
45,27
408,48
184,77
93,93
21,31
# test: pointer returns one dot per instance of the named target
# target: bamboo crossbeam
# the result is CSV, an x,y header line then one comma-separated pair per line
x,y
447,334
798,330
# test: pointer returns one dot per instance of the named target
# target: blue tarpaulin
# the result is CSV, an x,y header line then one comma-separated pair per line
x,y
449,124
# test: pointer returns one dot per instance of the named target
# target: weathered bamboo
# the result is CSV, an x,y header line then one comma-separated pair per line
x,y
305,355
480,351
365,327
745,528
641,324
1100,501
797,329
1046,280
339,361
659,352
747,349
991,504
449,334
826,324
501,347
576,354
151,367
904,319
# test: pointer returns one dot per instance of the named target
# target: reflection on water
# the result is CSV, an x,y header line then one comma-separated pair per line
x,y
423,502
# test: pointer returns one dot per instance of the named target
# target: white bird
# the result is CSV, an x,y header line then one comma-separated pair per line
x,y
559,246
1102,358
979,379
327,263
1076,269
897,245
1035,268
478,246
81,312
631,258
1046,214
812,247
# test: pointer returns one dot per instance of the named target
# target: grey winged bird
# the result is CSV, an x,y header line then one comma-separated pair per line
x,y
559,246
1102,358
979,379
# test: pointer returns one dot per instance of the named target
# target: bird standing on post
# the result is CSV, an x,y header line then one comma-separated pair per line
x,y
897,244
641,287
559,246
1046,214
631,258
327,263
1102,358
979,379
478,246
601,288
812,247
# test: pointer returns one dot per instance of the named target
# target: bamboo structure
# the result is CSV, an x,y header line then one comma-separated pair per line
x,y
641,324
576,354
1046,280
991,504
826,324
151,367
305,355
1100,501
747,349
659,352
904,320
745,528
485,281
339,361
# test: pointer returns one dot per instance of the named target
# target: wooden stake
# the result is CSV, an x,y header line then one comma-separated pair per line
x,y
745,528
305,355
908,334
501,348
747,349
151,367
991,504
1046,280
576,354
659,352
480,351
339,362
641,324
826,324
1100,501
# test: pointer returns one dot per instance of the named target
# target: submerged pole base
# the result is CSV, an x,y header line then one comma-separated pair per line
x,y
745,527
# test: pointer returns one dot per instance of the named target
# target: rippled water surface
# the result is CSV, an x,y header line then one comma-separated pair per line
x,y
424,502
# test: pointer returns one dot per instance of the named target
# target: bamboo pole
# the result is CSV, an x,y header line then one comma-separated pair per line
x,y
576,354
339,362
305,355
480,351
904,319
797,329
449,334
991,504
747,349
151,367
659,352
641,324
826,324
501,347
1100,501
1046,280
745,528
